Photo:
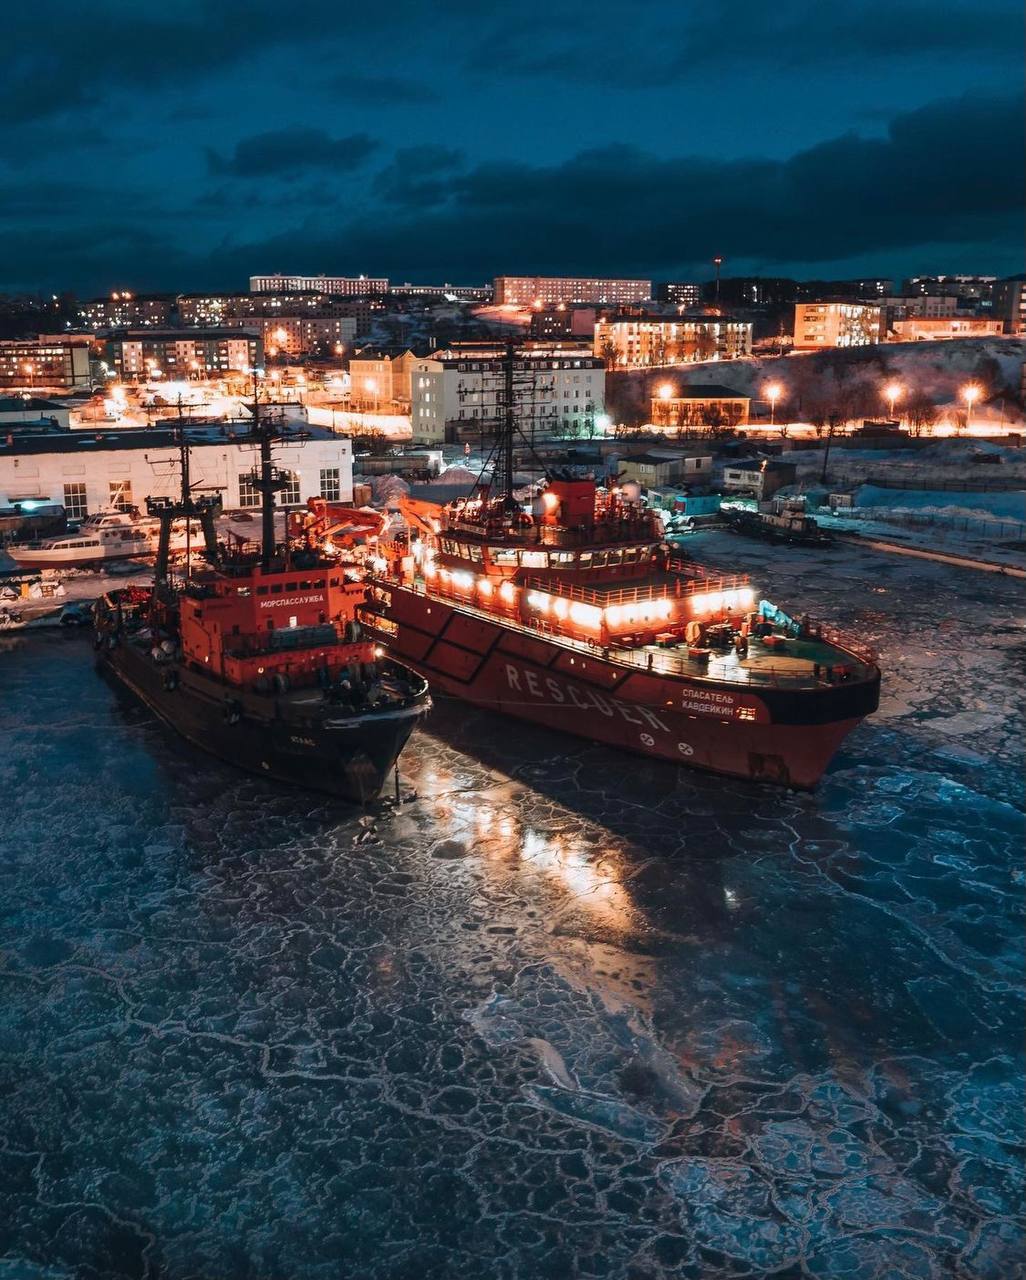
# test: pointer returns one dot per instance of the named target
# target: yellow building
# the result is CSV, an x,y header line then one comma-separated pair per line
x,y
819,325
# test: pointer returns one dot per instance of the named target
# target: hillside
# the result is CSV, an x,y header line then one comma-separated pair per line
x,y
847,382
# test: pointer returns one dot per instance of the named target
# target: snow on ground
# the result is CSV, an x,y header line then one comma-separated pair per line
x,y
1009,505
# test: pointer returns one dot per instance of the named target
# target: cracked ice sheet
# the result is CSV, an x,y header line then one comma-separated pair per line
x,y
566,1013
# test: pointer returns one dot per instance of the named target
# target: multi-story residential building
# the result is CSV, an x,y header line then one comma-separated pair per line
x,y
638,342
123,310
206,309
705,404
868,289
380,382
1010,303
553,324
182,353
86,471
542,291
55,362
978,289
943,328
818,325
460,393
346,286
681,293
444,292
294,336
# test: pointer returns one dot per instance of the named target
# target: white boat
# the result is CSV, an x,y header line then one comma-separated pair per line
x,y
107,535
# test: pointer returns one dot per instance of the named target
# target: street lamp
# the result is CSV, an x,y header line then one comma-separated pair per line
x,y
666,391
971,392
773,394
893,391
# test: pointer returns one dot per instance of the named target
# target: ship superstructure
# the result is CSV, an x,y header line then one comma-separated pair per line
x,y
571,611
257,656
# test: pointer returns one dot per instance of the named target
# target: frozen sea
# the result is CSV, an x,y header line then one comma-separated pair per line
x,y
563,1013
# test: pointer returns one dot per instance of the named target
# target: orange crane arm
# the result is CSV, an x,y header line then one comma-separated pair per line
x,y
426,516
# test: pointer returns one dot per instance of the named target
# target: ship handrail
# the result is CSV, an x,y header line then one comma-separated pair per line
x,y
655,662
631,595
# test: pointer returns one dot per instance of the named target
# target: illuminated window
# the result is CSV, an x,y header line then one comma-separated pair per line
x,y
121,494
75,501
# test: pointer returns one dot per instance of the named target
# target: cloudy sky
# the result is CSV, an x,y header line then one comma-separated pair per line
x,y
189,143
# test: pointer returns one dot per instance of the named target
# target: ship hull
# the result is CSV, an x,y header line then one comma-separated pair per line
x,y
350,756
777,735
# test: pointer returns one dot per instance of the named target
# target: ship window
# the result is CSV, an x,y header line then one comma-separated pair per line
x,y
334,582
612,557
600,560
261,591
475,554
276,589
243,591
585,559
305,584
291,586
318,582
502,555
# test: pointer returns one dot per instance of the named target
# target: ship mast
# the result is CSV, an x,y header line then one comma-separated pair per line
x,y
270,479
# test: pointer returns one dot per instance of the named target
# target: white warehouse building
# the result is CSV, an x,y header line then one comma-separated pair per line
x,y
86,472
558,394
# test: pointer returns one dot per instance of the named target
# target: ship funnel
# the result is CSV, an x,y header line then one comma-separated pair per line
x,y
569,501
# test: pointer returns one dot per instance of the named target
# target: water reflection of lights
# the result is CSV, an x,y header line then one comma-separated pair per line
x,y
568,859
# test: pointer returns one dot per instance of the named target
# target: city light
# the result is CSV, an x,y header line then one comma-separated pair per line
x,y
774,390
893,391
971,392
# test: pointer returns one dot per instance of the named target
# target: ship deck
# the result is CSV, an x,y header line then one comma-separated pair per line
x,y
794,664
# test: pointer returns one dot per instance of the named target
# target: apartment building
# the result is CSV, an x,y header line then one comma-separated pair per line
x,y
639,342
460,394
124,310
1010,303
294,336
679,293
380,382
203,310
181,353
819,325
542,291
344,286
55,363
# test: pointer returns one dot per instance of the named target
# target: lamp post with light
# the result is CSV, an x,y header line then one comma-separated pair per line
x,y
893,391
971,392
773,393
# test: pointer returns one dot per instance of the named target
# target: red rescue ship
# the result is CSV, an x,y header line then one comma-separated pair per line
x,y
575,614
258,657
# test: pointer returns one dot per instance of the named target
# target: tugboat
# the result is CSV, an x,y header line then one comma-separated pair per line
x,y
257,657
792,527
573,614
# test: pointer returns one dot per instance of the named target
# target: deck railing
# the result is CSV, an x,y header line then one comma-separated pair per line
x,y
660,662
680,587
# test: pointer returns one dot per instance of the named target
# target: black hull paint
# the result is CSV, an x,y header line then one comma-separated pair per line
x,y
350,756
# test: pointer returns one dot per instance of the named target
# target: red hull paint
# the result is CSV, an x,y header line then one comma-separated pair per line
x,y
670,718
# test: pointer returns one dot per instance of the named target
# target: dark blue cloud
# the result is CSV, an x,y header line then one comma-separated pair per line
x,y
190,144
286,152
